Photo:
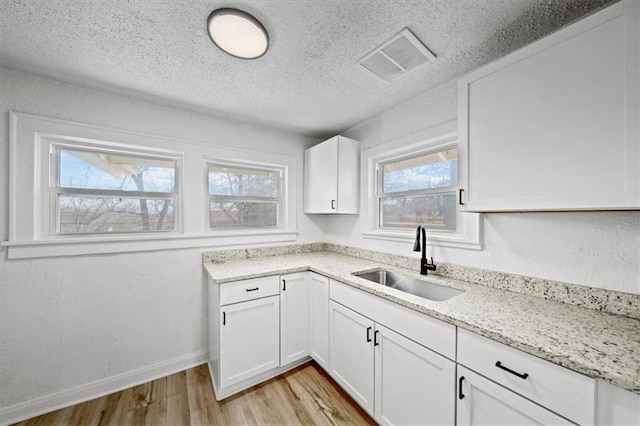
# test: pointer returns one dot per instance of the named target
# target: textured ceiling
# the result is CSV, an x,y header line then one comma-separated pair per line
x,y
308,82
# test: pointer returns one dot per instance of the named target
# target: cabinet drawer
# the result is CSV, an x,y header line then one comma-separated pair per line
x,y
563,391
240,291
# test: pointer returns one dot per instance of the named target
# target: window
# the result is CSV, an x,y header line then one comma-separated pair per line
x,y
419,189
97,190
415,181
80,189
244,196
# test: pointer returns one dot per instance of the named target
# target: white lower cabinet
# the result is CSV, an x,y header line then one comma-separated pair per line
x,y
617,406
351,353
294,317
482,402
558,389
249,339
413,385
393,378
395,363
319,319
261,327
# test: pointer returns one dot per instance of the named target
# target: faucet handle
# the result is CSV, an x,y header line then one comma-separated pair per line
x,y
430,265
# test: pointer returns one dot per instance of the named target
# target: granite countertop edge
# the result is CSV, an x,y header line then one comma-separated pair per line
x,y
616,359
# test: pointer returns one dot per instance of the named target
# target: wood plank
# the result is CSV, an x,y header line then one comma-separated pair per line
x,y
110,407
123,409
305,395
157,409
203,407
177,400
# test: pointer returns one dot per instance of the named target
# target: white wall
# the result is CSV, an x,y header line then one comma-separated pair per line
x,y
597,249
78,321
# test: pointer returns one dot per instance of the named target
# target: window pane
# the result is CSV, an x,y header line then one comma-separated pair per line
x,y
237,181
84,214
436,170
435,212
242,214
104,170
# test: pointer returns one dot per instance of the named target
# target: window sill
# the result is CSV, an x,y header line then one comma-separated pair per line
x,y
124,244
438,240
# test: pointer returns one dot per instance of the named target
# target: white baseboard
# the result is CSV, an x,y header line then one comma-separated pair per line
x,y
55,401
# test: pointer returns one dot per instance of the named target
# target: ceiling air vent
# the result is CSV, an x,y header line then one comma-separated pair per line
x,y
396,57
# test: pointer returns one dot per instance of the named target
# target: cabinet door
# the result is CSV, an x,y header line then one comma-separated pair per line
x,y
294,317
351,353
617,406
554,126
482,402
348,176
413,385
321,177
319,318
249,339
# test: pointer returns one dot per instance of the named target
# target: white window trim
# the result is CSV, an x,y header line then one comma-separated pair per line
x,y
29,192
283,199
52,173
467,234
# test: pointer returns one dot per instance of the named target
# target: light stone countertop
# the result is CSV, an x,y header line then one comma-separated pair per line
x,y
591,342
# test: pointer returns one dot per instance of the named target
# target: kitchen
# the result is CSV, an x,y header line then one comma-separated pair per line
x,y
82,319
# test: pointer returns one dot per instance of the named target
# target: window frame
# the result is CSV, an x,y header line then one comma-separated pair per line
x,y
246,165
29,174
467,234
55,190
414,193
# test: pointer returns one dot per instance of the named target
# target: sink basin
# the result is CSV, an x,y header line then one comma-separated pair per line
x,y
420,288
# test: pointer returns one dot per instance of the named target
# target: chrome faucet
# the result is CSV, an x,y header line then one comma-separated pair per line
x,y
425,264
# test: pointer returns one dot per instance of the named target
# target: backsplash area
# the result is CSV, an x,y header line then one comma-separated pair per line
x,y
613,302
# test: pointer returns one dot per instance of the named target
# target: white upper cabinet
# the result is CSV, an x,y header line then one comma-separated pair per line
x,y
331,177
554,126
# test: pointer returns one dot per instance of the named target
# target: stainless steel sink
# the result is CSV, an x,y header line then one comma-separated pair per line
x,y
421,288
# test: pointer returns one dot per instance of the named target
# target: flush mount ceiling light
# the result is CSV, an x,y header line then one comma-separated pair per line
x,y
237,33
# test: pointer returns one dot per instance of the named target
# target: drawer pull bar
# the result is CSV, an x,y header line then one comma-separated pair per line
x,y
375,338
460,394
252,289
515,373
224,318
284,285
368,334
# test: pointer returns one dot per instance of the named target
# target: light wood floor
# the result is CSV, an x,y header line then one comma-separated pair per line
x,y
305,395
